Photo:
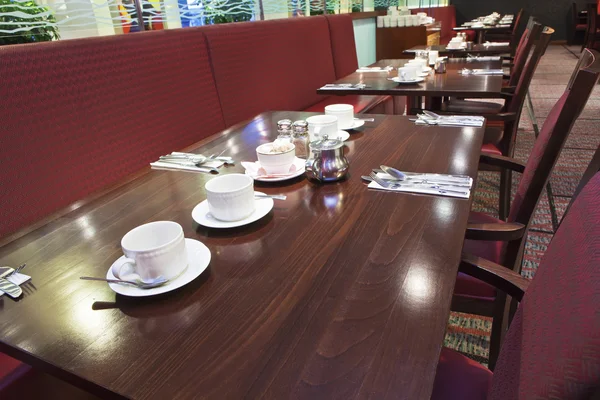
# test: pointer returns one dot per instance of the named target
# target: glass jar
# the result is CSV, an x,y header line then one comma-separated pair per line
x,y
300,138
284,130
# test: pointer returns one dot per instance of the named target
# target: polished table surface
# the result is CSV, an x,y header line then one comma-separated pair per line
x,y
340,292
477,49
439,85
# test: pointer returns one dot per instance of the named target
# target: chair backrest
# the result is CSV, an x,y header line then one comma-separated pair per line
x,y
343,46
552,348
529,37
516,21
514,37
552,137
592,21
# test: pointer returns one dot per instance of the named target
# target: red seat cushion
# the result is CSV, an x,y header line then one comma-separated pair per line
x,y
460,378
491,148
361,103
10,370
466,285
270,65
85,113
343,46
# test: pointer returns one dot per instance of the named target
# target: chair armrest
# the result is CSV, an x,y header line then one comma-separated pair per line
x,y
507,58
505,231
509,89
500,277
502,161
504,117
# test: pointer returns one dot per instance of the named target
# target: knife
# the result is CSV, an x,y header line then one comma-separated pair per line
x,y
10,288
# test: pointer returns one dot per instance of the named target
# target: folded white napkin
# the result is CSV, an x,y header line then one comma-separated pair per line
x,y
453,120
482,71
503,26
18,279
344,86
375,69
484,58
496,44
255,170
450,191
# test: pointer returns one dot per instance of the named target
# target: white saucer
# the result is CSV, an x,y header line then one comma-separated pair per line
x,y
300,169
427,69
201,215
198,260
397,80
424,75
357,123
343,136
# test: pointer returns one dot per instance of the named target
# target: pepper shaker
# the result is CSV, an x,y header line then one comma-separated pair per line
x,y
284,130
300,138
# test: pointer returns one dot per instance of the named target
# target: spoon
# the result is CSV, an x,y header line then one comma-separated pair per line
x,y
270,196
142,285
188,162
393,172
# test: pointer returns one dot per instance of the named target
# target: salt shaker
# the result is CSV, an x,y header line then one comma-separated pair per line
x,y
300,138
284,130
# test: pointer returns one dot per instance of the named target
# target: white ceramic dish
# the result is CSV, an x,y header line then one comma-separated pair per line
x,y
355,125
198,261
202,216
300,168
397,80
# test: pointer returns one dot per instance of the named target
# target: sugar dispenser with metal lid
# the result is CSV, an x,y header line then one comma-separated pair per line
x,y
326,160
300,138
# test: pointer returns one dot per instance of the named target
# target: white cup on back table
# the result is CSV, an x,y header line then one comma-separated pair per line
x,y
230,197
344,114
419,63
320,125
153,250
408,73
433,56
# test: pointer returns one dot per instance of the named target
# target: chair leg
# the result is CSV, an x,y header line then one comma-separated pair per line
x,y
498,329
531,112
505,192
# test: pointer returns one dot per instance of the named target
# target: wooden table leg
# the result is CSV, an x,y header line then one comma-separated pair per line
x,y
479,37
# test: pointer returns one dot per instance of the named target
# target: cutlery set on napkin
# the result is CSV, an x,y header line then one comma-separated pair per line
x,y
177,161
492,44
11,280
430,118
467,71
391,179
344,86
471,58
375,69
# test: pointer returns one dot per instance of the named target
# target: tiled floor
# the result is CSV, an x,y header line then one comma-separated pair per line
x,y
469,333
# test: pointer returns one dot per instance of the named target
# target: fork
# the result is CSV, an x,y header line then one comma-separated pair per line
x,y
9,273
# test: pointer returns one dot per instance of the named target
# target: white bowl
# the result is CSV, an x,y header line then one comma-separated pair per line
x,y
275,163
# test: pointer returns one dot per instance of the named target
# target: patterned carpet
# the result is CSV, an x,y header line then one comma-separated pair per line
x,y
469,334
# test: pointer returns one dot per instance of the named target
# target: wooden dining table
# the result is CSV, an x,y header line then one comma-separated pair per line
x,y
479,49
339,292
502,25
433,88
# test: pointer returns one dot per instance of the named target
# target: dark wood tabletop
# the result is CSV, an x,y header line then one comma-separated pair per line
x,y
477,49
340,292
435,85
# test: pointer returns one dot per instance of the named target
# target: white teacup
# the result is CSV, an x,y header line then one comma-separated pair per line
x,y
433,56
418,63
344,114
320,125
153,250
230,197
401,21
274,160
408,73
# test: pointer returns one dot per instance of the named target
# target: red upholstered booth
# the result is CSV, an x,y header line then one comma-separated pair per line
x,y
78,115
446,16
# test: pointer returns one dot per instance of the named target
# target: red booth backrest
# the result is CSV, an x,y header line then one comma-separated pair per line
x,y
343,46
78,115
271,65
445,15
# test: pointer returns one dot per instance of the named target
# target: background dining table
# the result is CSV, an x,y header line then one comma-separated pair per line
x,y
340,292
479,49
434,86
502,25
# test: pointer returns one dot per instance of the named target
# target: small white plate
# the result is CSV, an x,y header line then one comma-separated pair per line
x,y
300,169
424,75
201,215
357,123
397,80
427,69
343,136
198,260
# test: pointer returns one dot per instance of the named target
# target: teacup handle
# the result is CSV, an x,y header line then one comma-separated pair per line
x,y
118,266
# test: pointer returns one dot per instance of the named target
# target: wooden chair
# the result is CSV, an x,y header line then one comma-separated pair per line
x,y
577,24
552,349
502,242
592,32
